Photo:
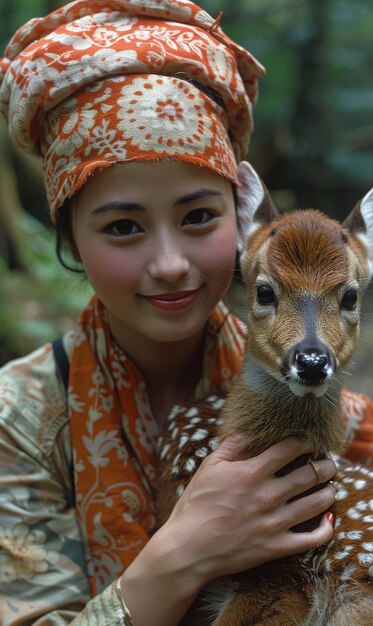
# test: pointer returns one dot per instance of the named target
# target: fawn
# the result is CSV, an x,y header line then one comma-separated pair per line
x,y
304,274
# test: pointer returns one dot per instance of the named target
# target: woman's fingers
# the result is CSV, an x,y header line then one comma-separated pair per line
x,y
309,506
303,478
298,543
280,454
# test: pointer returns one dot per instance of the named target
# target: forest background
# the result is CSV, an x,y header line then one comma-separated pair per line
x,y
312,145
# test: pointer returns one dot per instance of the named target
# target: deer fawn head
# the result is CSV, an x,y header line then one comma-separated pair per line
x,y
305,274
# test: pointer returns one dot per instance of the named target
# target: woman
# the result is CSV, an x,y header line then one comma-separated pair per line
x,y
140,110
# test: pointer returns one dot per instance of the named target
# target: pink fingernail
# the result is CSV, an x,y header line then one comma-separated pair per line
x,y
330,518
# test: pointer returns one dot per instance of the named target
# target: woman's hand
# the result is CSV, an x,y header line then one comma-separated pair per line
x,y
234,515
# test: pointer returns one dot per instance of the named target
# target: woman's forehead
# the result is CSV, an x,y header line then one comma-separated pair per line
x,y
165,177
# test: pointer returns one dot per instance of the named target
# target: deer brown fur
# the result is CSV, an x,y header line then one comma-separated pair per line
x,y
304,274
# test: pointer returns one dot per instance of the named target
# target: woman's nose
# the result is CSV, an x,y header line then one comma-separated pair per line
x,y
168,262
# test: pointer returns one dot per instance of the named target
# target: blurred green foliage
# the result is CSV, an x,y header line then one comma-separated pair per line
x,y
312,143
42,301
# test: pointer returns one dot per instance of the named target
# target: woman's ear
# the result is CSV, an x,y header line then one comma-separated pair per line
x,y
254,204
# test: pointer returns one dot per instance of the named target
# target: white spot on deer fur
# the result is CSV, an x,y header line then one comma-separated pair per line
x,y
199,434
368,519
338,522
370,572
360,484
353,513
164,451
201,452
190,465
183,440
343,554
348,572
352,534
365,559
362,505
218,404
195,420
341,493
367,545
176,459
175,432
174,411
191,412
180,490
213,443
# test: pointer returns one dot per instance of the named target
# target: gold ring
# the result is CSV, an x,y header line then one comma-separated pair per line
x,y
316,468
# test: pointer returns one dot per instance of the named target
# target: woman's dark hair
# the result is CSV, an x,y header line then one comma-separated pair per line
x,y
65,240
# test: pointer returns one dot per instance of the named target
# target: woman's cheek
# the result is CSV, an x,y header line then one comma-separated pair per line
x,y
113,269
220,252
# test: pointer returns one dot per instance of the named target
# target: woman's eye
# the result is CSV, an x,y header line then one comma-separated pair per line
x,y
123,228
198,217
349,300
265,294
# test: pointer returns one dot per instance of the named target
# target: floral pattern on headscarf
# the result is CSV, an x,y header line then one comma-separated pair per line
x,y
96,83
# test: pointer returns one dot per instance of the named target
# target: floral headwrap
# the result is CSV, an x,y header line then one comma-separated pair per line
x,y
100,82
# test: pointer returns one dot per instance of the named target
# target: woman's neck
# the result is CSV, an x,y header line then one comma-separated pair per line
x,y
171,370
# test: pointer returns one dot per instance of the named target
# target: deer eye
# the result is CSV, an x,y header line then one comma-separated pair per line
x,y
349,300
265,294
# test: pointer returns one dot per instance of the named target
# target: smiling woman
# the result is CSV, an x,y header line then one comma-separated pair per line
x,y
140,112
139,244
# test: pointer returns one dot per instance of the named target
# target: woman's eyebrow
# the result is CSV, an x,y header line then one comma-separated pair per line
x,y
196,195
134,206
118,206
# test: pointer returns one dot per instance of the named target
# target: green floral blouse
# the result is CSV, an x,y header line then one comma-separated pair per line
x,y
43,581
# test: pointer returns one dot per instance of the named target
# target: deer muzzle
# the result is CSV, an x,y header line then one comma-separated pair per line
x,y
308,368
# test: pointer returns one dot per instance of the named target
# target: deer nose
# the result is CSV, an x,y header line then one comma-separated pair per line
x,y
309,363
312,366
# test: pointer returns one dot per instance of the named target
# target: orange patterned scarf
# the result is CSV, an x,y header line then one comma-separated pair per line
x,y
115,436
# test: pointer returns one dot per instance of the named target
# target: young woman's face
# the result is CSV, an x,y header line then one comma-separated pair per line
x,y
158,242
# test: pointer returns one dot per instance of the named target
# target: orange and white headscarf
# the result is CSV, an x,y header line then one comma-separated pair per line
x,y
100,82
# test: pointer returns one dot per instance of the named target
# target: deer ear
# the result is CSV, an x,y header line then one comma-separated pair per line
x,y
255,207
360,224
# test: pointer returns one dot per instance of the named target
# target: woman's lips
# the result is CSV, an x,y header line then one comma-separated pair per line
x,y
173,301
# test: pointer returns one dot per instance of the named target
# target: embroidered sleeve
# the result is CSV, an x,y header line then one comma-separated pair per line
x,y
43,581
106,609
358,413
